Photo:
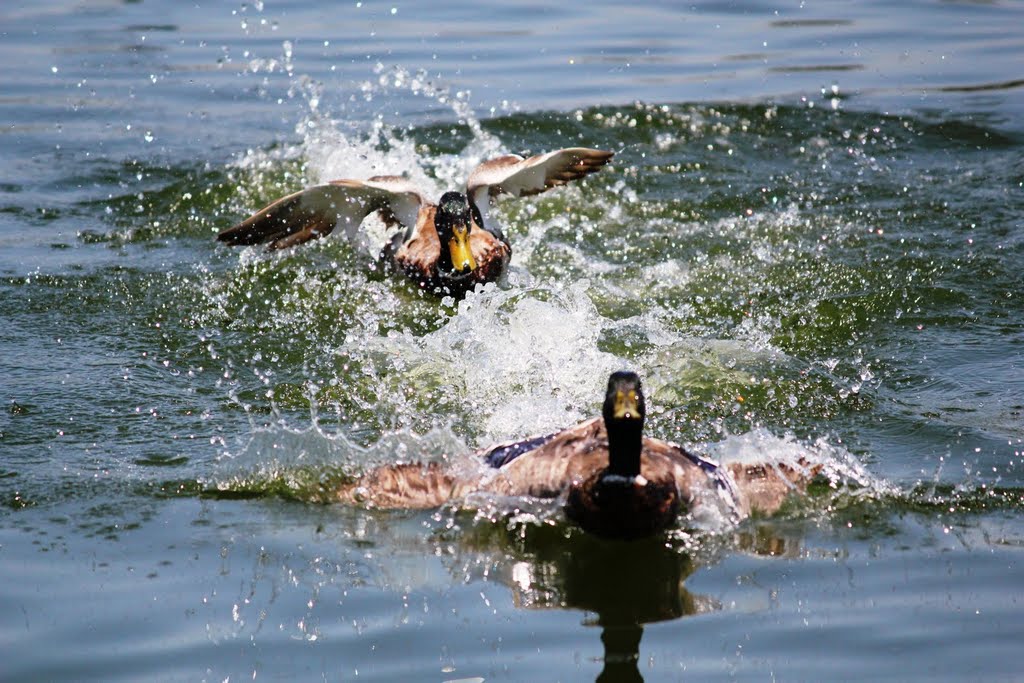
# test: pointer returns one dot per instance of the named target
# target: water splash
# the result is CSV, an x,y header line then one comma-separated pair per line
x,y
482,145
602,279
310,463
507,360
341,148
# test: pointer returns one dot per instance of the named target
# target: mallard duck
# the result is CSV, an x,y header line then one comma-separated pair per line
x,y
616,482
447,247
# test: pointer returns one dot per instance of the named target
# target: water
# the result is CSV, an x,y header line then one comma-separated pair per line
x,y
809,244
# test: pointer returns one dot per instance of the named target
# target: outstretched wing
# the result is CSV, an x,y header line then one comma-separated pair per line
x,y
316,211
764,487
515,176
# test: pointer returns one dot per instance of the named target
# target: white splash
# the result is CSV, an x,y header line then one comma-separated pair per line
x,y
273,451
523,361
527,359
762,447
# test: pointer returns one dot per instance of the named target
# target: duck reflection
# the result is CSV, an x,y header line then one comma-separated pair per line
x,y
622,585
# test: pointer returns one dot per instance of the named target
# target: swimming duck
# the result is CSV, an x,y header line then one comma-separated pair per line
x,y
616,482
447,247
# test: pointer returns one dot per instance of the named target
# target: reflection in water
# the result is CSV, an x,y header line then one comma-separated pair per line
x,y
621,652
998,85
623,584
627,585
317,594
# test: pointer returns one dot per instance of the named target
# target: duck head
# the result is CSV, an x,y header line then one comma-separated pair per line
x,y
623,412
453,221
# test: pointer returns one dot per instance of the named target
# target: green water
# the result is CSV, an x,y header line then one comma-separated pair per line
x,y
796,270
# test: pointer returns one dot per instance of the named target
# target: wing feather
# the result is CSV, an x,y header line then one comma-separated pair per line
x,y
318,210
515,176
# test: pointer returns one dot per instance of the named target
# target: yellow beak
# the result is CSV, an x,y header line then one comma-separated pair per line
x,y
626,405
462,255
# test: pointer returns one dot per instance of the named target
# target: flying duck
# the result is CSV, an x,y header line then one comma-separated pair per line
x,y
616,482
447,247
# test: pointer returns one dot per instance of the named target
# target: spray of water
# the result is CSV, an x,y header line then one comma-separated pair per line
x,y
400,378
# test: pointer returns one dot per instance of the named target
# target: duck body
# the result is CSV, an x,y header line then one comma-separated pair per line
x,y
448,246
574,463
623,507
425,254
613,481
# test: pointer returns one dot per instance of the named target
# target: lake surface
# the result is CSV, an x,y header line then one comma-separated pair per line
x,y
810,244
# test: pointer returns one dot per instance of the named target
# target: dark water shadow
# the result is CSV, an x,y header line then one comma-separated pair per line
x,y
621,585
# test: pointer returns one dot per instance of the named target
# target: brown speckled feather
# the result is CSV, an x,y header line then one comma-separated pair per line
x,y
411,486
765,487
418,255
580,452
316,211
518,177
572,455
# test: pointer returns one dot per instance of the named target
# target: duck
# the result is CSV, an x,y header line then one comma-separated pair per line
x,y
447,247
600,466
615,482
